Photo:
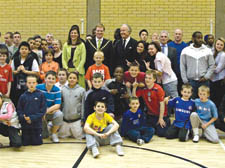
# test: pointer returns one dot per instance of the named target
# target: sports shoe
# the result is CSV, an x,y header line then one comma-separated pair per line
x,y
95,152
140,142
119,150
196,139
55,138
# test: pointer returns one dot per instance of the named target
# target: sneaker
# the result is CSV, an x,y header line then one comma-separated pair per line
x,y
55,138
95,152
119,150
140,142
196,139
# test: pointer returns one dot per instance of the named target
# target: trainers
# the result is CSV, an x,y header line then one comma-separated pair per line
x,y
95,152
140,142
196,139
119,150
55,138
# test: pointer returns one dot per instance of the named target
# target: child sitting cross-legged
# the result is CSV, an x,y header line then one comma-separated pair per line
x,y
133,125
102,129
183,108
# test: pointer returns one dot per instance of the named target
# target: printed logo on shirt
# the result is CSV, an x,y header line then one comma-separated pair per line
x,y
35,98
5,71
99,71
190,107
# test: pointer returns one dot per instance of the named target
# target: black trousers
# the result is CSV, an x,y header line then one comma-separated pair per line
x,y
32,136
13,134
175,132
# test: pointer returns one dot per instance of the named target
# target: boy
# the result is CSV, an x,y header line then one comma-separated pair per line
x,y
5,72
153,96
205,116
95,94
9,123
133,125
31,108
102,129
22,65
132,75
53,99
97,67
62,77
183,106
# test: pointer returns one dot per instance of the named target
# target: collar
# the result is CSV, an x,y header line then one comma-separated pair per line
x,y
165,45
98,39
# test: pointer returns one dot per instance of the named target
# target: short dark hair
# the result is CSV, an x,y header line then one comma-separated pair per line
x,y
133,98
143,30
4,50
97,75
10,34
49,50
151,72
195,34
32,76
101,101
30,38
63,69
16,33
24,43
53,73
75,73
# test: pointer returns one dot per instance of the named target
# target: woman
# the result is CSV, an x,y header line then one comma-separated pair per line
x,y
141,55
163,66
217,86
74,54
57,47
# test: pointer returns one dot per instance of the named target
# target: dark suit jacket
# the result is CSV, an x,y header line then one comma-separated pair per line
x,y
121,55
172,55
106,48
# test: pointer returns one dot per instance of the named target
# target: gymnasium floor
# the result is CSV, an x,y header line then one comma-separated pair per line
x,y
159,153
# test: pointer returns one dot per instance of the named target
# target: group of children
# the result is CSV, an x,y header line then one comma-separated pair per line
x,y
98,112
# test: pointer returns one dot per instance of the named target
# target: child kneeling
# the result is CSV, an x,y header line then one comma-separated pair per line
x,y
133,125
102,129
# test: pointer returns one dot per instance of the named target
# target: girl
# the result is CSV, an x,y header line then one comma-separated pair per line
x,y
141,55
9,123
74,54
72,108
57,47
48,65
62,77
22,65
217,86
163,66
37,48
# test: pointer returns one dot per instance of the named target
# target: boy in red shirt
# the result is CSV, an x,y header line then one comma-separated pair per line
x,y
97,67
153,96
5,72
134,75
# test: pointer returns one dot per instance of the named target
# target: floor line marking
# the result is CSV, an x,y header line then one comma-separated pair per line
x,y
222,145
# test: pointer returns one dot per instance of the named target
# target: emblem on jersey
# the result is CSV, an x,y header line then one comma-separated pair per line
x,y
190,108
5,70
139,115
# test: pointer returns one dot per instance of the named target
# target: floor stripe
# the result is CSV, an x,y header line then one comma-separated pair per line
x,y
222,145
178,157
80,158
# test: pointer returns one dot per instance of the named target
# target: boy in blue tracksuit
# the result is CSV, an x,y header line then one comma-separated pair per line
x,y
31,108
133,124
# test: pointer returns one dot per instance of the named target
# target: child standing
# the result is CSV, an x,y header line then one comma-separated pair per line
x,y
31,108
22,65
133,125
153,96
5,72
9,123
62,77
72,107
183,106
119,92
205,116
97,67
95,94
101,129
49,64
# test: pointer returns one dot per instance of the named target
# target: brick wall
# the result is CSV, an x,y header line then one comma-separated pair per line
x,y
31,17
158,15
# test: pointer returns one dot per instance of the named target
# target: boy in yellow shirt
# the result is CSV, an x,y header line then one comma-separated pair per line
x,y
102,129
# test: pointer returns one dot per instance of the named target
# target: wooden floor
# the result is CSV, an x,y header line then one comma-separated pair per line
x,y
159,153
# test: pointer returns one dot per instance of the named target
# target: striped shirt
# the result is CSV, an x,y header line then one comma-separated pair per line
x,y
53,97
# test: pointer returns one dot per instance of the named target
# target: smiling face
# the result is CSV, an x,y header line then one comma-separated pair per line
x,y
186,93
124,32
50,80
98,58
152,50
24,51
3,58
99,32
219,45
97,83
62,76
100,108
118,73
72,80
197,40
178,36
140,48
134,70
149,79
74,35
49,57
163,38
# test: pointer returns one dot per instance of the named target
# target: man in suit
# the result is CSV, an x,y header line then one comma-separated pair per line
x,y
168,51
99,43
125,48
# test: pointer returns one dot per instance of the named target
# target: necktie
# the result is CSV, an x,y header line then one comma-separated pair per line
x,y
124,42
99,44
163,48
